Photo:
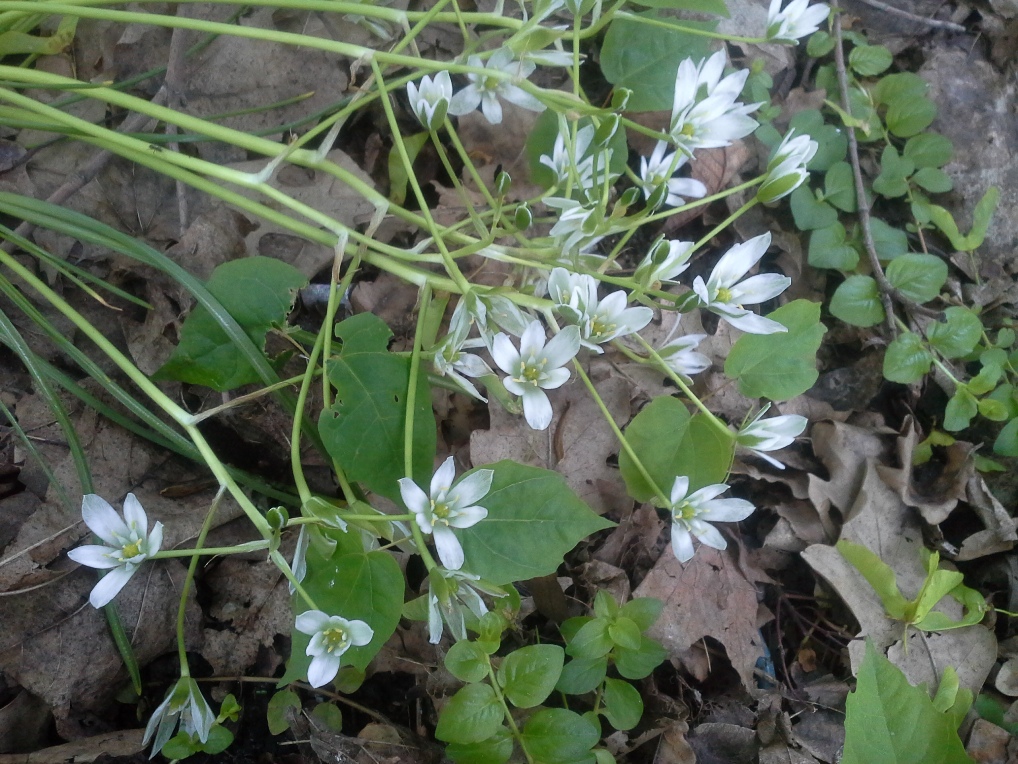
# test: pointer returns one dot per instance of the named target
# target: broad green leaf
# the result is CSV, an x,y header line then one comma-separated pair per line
x,y
713,7
364,428
809,212
219,740
646,58
1006,443
934,180
960,410
898,87
779,366
890,242
827,249
879,575
919,277
258,292
622,704
910,115
952,700
275,712
888,721
643,611
472,715
669,442
856,301
839,187
625,633
832,145
958,335
533,520
937,585
870,60
820,44
907,360
636,664
467,661
365,587
592,640
529,675
929,150
497,749
556,735
542,141
894,172
582,675
328,716
605,605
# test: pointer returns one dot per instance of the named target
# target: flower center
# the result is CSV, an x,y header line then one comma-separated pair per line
x,y
131,550
336,638
687,130
724,294
441,510
491,83
685,511
600,327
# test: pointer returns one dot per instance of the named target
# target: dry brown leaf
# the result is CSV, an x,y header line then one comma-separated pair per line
x,y
988,743
721,743
1001,528
673,748
709,596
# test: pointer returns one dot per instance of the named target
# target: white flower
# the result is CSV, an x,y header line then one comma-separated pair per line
x,y
796,21
771,434
692,515
485,90
431,101
579,226
725,295
574,294
787,169
451,361
185,704
130,544
705,112
665,261
564,163
611,319
489,313
449,592
681,357
331,636
448,506
536,367
660,168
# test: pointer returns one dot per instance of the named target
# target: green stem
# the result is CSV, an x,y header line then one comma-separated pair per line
x,y
671,25
211,551
493,681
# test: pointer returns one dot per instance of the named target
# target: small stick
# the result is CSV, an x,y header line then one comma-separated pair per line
x,y
935,23
887,290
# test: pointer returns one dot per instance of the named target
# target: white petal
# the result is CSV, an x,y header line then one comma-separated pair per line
x,y
467,517
134,515
434,620
311,622
473,487
708,534
155,540
563,347
465,101
504,353
414,498
443,478
554,379
491,108
682,543
707,493
522,98
449,550
679,489
95,556
760,288
532,341
701,290
359,632
537,408
110,585
737,261
750,322
323,669
514,387
726,510
102,519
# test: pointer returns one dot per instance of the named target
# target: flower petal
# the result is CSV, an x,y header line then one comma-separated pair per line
x,y
155,539
726,510
760,288
707,534
465,101
555,378
473,487
536,408
95,556
109,586
682,543
415,499
679,489
103,520
749,322
323,669
359,632
504,353
311,622
563,347
134,515
737,261
449,550
467,517
443,478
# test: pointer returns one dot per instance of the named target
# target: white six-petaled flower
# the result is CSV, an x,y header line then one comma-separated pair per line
x,y
599,321
692,515
681,357
448,506
706,112
724,293
771,434
449,592
331,636
536,367
787,169
659,169
665,261
430,101
129,544
796,21
184,704
485,90
565,164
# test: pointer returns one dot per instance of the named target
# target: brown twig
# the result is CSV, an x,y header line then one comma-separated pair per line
x,y
888,293
950,26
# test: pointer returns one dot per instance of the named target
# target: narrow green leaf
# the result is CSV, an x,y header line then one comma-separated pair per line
x,y
878,574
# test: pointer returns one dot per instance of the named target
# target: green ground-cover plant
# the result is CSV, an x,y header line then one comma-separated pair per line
x,y
581,282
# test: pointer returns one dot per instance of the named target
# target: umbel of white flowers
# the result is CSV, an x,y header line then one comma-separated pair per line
x,y
128,544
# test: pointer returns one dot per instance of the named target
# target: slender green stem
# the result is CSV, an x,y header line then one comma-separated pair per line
x,y
493,681
212,551
661,495
671,25
726,222
242,399
375,518
287,571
